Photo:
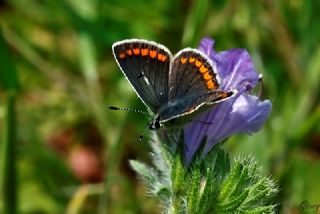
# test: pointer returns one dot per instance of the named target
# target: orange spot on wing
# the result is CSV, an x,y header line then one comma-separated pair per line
x,y
122,55
210,85
191,60
203,69
207,76
144,52
198,63
183,60
129,52
136,51
162,57
153,54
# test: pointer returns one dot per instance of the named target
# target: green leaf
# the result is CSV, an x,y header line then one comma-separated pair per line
x,y
233,205
219,161
204,202
161,159
147,173
8,73
9,82
229,184
178,175
261,210
193,190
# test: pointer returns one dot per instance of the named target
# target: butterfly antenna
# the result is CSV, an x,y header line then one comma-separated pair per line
x,y
128,109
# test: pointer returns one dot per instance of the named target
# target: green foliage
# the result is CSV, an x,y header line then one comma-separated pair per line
x,y
9,81
8,73
207,186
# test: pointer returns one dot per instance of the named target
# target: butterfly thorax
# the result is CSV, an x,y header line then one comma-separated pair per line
x,y
169,110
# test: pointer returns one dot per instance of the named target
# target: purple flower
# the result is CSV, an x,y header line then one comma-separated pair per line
x,y
242,113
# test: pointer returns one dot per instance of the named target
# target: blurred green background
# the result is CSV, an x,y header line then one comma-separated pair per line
x,y
63,151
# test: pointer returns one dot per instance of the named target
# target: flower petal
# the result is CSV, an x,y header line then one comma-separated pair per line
x,y
195,132
236,69
254,111
247,116
206,46
234,66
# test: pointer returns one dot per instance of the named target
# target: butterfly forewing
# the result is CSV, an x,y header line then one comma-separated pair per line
x,y
146,65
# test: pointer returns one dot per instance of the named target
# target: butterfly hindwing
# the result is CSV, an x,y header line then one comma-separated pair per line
x,y
191,74
192,83
146,65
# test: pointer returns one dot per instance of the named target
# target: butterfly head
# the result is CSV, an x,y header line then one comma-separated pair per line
x,y
155,124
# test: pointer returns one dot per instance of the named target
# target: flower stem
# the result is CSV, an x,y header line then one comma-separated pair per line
x,y
9,82
9,160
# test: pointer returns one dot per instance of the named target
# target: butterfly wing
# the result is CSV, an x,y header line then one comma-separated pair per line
x,y
146,65
192,83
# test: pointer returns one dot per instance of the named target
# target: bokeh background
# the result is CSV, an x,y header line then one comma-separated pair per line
x,y
64,151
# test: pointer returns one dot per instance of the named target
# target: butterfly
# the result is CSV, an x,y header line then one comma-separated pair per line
x,y
170,86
